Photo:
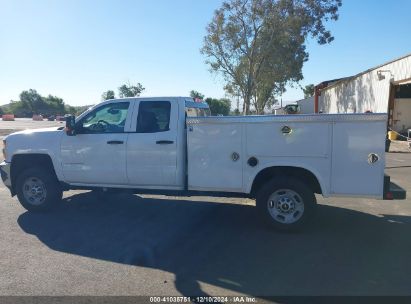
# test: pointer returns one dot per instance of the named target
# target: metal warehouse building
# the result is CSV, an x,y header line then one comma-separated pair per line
x,y
383,89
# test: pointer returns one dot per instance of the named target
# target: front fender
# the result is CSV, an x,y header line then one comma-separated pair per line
x,y
36,142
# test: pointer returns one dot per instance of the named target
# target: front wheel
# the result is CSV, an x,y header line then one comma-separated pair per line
x,y
286,203
38,190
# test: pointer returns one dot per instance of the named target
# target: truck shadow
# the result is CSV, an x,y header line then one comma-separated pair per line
x,y
224,245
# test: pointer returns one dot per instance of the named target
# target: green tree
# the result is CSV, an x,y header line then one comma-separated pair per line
x,y
55,105
219,106
32,101
128,90
309,90
258,46
80,109
265,96
70,110
108,95
236,112
196,94
1,111
18,109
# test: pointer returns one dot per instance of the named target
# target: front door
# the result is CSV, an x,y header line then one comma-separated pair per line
x,y
152,147
97,153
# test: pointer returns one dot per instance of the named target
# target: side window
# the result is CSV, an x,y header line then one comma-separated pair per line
x,y
109,118
197,112
153,116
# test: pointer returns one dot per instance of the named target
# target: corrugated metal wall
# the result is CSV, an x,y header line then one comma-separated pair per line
x,y
367,92
306,105
402,114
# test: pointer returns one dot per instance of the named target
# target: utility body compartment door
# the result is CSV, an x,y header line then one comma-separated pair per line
x,y
215,157
358,158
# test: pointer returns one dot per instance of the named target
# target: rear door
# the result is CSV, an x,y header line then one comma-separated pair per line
x,y
152,146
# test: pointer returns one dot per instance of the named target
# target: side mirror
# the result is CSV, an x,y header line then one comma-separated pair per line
x,y
70,125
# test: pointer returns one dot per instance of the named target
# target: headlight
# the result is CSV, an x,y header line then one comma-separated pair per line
x,y
4,149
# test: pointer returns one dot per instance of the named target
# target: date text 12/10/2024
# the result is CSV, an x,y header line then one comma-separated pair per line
x,y
202,299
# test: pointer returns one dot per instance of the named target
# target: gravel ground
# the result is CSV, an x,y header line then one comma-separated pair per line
x,y
7,127
399,146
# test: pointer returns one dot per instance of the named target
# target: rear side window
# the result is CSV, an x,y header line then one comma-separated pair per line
x,y
197,112
153,116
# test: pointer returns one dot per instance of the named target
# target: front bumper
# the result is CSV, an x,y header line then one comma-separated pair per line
x,y
5,173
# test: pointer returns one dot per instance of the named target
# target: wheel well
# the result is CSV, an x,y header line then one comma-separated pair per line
x,y
20,162
302,174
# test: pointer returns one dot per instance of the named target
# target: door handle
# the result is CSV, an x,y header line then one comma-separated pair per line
x,y
164,142
115,142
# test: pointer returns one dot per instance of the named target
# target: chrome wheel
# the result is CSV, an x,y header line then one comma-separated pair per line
x,y
34,191
285,206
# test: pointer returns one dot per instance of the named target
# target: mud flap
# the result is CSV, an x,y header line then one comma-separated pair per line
x,y
392,191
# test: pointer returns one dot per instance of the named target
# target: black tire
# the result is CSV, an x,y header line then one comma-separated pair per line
x,y
53,192
294,217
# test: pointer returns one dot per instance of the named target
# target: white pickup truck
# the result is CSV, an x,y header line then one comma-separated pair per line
x,y
169,145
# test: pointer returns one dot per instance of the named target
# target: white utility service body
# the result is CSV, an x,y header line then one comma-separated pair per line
x,y
334,148
169,145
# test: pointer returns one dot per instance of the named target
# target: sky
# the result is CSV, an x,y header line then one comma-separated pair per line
x,y
77,49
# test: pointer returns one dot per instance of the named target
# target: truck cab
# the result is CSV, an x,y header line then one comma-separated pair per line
x,y
119,143
141,142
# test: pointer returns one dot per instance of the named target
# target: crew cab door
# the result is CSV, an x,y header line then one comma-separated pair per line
x,y
97,153
152,146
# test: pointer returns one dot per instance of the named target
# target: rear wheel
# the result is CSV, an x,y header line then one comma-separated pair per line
x,y
286,204
38,189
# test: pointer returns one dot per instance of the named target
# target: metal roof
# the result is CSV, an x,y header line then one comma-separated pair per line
x,y
346,79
